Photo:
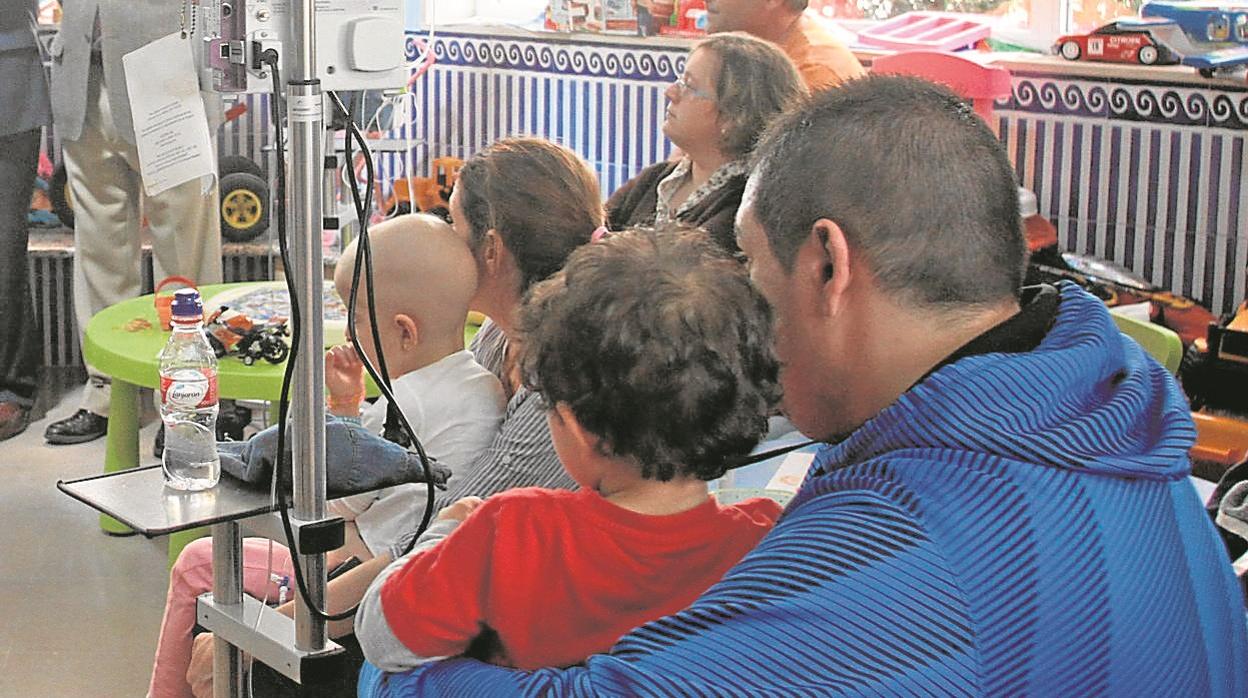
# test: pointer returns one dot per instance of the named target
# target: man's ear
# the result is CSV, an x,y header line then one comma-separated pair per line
x,y
409,331
822,267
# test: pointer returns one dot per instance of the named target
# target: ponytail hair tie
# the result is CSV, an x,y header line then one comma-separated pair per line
x,y
598,234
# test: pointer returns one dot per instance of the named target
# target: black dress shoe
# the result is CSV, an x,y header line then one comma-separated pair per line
x,y
13,419
232,421
82,427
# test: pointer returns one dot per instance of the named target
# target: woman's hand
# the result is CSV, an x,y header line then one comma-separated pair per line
x,y
460,509
344,379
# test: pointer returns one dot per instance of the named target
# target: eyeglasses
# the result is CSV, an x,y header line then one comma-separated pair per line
x,y
687,90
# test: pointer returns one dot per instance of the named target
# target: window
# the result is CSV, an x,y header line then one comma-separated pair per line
x,y
883,9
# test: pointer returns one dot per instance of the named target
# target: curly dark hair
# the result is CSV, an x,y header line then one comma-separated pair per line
x,y
659,344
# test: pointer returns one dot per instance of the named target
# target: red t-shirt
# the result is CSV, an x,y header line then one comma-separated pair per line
x,y
562,575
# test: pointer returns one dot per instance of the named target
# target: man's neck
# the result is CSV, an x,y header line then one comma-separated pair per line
x,y
777,30
900,345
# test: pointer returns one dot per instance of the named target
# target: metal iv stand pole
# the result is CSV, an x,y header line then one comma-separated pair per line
x,y
305,115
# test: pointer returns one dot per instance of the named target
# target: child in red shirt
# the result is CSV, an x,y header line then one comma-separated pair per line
x,y
654,354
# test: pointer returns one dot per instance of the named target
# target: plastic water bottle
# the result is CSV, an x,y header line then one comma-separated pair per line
x,y
188,399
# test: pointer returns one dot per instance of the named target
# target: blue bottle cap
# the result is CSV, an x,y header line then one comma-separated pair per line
x,y
186,304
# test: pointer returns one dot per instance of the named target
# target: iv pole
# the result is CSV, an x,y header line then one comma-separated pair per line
x,y
305,116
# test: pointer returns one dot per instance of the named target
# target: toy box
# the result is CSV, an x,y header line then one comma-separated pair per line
x,y
567,15
612,16
688,18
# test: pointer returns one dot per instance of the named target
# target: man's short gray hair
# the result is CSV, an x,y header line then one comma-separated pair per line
x,y
921,187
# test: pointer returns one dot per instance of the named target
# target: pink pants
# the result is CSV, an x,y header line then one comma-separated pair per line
x,y
190,577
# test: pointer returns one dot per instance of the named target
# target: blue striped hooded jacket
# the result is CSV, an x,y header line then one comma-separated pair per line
x,y
1015,524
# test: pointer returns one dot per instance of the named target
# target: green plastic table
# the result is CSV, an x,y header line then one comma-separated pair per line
x,y
130,359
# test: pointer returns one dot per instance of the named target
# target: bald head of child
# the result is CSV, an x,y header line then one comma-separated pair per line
x,y
423,276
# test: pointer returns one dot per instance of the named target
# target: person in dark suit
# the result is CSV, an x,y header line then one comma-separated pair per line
x,y
23,111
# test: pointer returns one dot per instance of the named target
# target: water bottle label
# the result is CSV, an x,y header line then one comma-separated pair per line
x,y
189,389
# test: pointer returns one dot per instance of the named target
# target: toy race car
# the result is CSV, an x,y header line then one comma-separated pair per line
x,y
1121,41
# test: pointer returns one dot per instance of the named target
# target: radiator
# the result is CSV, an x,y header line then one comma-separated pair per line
x,y
52,287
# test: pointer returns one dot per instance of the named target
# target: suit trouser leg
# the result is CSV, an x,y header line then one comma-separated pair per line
x,y
185,225
19,336
105,182
107,251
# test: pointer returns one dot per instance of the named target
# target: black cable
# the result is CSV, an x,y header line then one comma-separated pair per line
x,y
363,259
364,252
284,457
741,462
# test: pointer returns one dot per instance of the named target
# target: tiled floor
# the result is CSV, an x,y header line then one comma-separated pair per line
x,y
79,610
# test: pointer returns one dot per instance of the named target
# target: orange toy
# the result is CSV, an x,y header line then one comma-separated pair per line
x,y
425,194
164,302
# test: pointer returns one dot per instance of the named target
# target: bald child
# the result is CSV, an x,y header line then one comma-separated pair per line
x,y
424,276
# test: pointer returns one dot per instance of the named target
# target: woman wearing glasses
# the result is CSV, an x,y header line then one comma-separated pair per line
x,y
732,86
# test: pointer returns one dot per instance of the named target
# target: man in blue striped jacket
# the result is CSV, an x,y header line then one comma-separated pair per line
x,y
1002,507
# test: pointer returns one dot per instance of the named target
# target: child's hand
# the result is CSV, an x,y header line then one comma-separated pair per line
x,y
460,509
199,672
344,379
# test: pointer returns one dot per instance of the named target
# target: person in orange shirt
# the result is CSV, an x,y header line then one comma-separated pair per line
x,y
820,57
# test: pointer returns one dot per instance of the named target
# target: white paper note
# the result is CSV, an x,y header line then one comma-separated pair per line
x,y
170,126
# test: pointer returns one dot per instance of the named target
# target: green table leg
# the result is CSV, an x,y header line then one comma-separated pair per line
x,y
122,444
181,539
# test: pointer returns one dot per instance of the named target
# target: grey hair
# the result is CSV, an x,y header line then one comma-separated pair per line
x,y
756,82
